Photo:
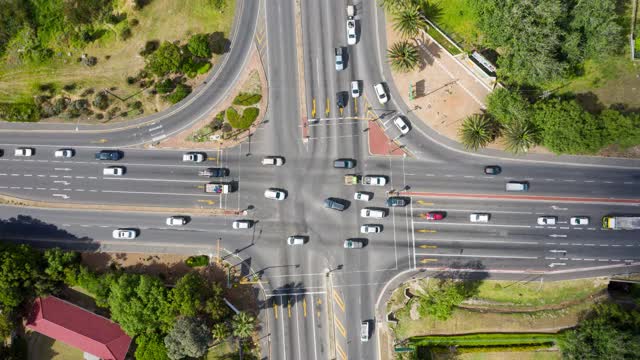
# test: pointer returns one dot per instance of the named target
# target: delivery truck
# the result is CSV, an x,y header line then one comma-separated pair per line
x,y
621,222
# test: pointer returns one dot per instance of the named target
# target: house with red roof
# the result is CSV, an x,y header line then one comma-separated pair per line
x,y
97,336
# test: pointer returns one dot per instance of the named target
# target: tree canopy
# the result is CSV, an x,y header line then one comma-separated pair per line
x,y
198,45
151,347
188,338
21,274
165,60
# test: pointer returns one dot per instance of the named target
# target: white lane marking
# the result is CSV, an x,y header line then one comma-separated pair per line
x,y
158,138
62,169
125,178
15,174
64,196
471,224
510,241
313,324
480,256
155,128
28,188
93,177
148,193
3,174
41,188
53,176
15,187
284,346
42,175
79,177
589,181
27,175
298,326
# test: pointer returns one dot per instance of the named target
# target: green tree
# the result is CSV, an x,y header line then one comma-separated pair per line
x,y
13,15
188,338
198,45
609,332
62,265
220,331
139,303
8,324
530,35
80,12
507,106
620,129
189,295
440,302
566,128
181,92
519,136
150,347
409,21
99,285
596,22
243,325
477,131
165,60
215,305
403,56
21,275
396,5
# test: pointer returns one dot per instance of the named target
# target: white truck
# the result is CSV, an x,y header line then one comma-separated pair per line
x,y
626,222
217,188
351,25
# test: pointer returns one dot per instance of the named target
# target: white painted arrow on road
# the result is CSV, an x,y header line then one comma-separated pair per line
x,y
558,251
64,196
558,235
62,169
557,264
554,207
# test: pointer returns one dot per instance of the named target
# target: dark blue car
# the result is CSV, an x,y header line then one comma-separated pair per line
x,y
113,155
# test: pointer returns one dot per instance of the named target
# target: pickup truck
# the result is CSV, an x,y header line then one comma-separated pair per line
x,y
351,179
217,188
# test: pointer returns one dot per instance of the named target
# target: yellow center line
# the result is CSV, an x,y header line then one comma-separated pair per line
x,y
355,105
341,352
327,109
304,307
313,108
422,202
208,202
428,247
212,158
275,310
200,186
424,261
341,328
338,300
425,231
289,307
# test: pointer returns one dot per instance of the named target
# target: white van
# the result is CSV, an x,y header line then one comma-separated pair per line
x,y
114,170
517,186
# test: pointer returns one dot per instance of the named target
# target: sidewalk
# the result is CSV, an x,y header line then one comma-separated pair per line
x,y
379,143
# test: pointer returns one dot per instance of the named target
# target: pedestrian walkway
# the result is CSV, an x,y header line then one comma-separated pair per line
x,y
379,143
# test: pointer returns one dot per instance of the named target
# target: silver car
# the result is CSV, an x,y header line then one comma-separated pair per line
x,y
126,234
275,194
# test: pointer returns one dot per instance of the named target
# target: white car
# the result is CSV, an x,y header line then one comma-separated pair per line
x,y
273,160
372,213
295,240
362,196
176,220
351,32
381,93
547,220
353,244
367,229
374,180
114,170
275,194
125,234
193,157
64,153
242,224
24,151
479,218
355,89
401,124
579,220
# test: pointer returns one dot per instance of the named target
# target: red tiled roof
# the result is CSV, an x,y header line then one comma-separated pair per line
x,y
78,327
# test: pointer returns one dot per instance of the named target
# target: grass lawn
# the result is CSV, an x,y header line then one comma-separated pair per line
x,y
43,347
220,350
508,355
456,19
160,20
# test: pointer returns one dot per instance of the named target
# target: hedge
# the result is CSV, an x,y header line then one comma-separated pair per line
x,y
246,99
200,260
249,115
475,340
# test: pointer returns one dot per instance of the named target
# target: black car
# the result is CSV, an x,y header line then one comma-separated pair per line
x,y
341,99
397,201
344,164
215,172
335,204
109,155
492,170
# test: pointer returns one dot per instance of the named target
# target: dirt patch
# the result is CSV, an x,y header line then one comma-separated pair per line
x,y
252,78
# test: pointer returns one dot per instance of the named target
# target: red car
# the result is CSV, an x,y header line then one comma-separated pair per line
x,y
433,216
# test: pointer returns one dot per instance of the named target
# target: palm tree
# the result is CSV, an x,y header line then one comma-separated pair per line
x,y
220,331
408,22
403,56
520,135
476,132
243,325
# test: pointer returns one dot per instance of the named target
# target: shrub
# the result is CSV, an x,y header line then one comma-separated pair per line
x,y
195,261
149,47
165,86
204,68
23,112
125,34
243,122
246,99
226,127
60,104
101,100
179,93
134,22
89,60
216,124
198,45
70,87
166,59
135,105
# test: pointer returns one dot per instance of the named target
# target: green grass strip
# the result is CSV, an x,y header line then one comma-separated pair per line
x,y
442,41
484,340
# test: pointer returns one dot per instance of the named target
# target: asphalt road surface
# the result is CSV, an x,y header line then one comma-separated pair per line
x,y
318,293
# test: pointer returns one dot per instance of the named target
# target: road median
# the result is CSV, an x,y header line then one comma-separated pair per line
x,y
15,201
